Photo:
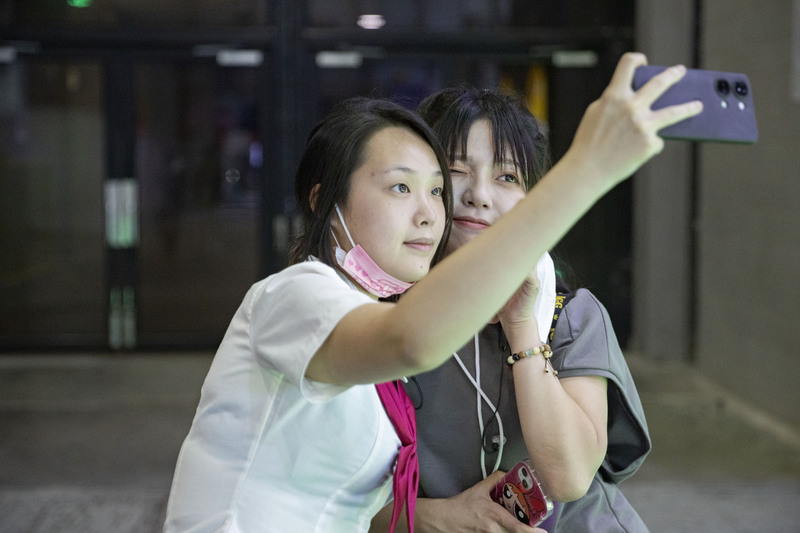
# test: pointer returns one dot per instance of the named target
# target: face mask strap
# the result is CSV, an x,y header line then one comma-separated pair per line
x,y
347,231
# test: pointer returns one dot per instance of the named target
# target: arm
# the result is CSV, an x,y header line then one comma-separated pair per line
x,y
472,511
564,425
380,342
563,421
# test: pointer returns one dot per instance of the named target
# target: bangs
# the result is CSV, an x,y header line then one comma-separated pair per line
x,y
514,135
508,140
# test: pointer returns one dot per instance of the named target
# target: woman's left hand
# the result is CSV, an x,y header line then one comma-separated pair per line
x,y
470,511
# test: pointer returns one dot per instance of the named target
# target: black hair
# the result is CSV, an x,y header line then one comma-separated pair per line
x,y
452,112
334,150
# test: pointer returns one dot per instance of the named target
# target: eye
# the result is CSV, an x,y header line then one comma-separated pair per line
x,y
508,178
437,191
402,188
457,172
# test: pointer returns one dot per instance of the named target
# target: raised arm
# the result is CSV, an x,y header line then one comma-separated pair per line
x,y
380,342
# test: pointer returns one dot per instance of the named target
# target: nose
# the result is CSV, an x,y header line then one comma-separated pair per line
x,y
428,210
476,193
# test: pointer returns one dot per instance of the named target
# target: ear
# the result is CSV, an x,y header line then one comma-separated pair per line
x,y
312,198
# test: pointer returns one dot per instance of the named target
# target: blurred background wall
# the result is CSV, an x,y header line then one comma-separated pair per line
x,y
716,226
748,218
147,151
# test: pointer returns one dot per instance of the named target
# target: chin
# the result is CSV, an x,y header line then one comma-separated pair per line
x,y
415,274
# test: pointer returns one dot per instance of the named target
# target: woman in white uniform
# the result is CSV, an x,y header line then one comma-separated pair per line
x,y
291,433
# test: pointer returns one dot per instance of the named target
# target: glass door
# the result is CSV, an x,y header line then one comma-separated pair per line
x,y
52,268
130,199
199,167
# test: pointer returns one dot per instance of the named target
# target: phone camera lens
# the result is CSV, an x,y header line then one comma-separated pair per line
x,y
723,87
741,88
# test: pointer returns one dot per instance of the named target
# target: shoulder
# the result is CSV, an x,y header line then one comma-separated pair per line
x,y
584,301
582,311
307,270
292,312
309,275
308,287
584,341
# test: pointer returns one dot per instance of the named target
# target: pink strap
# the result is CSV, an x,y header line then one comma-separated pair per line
x,y
406,475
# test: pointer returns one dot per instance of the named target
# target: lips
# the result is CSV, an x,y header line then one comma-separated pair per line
x,y
471,223
424,245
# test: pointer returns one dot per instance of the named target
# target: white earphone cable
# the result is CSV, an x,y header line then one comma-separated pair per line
x,y
476,382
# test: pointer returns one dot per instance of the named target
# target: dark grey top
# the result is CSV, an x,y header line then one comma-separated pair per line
x,y
449,438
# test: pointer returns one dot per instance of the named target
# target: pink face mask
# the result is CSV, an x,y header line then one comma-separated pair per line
x,y
366,272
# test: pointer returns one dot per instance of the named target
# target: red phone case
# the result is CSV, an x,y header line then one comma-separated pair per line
x,y
521,493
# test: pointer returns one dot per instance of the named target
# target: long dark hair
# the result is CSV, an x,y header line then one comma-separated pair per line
x,y
334,150
452,112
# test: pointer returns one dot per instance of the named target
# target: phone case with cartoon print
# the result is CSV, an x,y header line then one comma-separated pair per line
x,y
521,493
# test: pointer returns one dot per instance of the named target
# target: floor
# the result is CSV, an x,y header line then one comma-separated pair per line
x,y
88,444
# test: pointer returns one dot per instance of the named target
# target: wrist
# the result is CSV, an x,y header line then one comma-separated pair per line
x,y
582,181
521,334
428,515
540,350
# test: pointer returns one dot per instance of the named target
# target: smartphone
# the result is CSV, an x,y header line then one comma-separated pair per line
x,y
520,492
728,113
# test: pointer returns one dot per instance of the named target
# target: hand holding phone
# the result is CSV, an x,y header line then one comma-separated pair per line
x,y
728,113
520,492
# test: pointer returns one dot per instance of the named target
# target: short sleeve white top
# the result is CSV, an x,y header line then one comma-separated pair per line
x,y
269,449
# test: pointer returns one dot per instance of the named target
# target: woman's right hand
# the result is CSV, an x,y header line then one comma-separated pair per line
x,y
619,132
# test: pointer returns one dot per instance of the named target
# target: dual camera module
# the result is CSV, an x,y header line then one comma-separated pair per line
x,y
740,90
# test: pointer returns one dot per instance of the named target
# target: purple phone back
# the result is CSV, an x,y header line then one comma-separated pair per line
x,y
728,115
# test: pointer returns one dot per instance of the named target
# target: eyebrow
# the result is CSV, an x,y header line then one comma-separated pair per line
x,y
406,170
503,162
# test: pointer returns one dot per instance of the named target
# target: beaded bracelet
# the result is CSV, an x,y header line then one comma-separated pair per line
x,y
544,349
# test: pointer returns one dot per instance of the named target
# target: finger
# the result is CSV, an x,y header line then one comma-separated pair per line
x,y
503,518
670,115
533,278
658,84
493,478
623,74
510,523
